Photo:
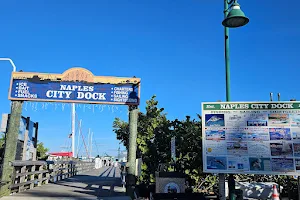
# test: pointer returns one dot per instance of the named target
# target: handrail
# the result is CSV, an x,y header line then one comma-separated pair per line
x,y
30,174
27,163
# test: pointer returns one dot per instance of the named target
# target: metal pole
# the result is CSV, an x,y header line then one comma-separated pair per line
x,y
222,194
298,181
227,58
289,182
10,147
130,178
88,146
78,139
11,62
73,129
91,150
288,187
11,141
271,96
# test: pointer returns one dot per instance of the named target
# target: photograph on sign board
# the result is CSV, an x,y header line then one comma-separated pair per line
x,y
235,120
280,134
236,134
297,164
295,133
238,163
217,163
215,148
239,148
296,147
257,123
260,164
281,149
282,164
257,119
259,149
258,134
295,119
214,120
278,119
258,116
215,134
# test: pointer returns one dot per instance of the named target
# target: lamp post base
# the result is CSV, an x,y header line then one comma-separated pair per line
x,y
222,194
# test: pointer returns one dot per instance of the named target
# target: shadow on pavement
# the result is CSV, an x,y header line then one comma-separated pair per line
x,y
82,186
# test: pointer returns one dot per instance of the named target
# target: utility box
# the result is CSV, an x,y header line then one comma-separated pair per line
x,y
169,182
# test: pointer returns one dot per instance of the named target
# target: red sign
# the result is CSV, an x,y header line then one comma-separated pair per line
x,y
69,154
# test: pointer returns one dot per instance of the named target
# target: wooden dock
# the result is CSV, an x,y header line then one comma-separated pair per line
x,y
102,184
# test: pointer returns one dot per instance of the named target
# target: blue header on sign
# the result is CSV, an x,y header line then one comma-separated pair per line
x,y
74,92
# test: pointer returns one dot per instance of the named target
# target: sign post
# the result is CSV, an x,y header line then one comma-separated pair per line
x,y
73,129
10,146
251,137
130,179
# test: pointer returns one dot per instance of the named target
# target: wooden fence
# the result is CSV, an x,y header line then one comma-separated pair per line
x,y
30,174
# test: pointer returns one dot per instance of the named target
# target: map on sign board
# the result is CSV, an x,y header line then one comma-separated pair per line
x,y
76,85
251,137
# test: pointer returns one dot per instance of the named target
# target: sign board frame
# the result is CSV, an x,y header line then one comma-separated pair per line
x,y
26,134
261,137
74,83
22,128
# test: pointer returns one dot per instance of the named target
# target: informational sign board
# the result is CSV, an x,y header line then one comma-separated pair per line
x,y
251,137
29,146
4,121
4,126
76,85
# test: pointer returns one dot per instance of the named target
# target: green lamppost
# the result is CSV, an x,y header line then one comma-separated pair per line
x,y
233,18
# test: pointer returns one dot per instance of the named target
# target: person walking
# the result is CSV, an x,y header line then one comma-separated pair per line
x,y
97,162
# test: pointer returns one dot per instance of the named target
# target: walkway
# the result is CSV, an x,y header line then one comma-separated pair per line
x,y
101,184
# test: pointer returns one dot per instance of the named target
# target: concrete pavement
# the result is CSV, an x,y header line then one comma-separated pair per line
x,y
101,184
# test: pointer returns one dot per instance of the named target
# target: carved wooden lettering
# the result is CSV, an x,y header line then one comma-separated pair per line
x,y
77,74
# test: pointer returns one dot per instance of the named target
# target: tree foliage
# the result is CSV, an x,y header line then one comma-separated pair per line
x,y
41,151
2,140
189,147
153,141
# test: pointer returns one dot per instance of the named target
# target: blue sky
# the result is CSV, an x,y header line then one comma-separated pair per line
x,y
176,47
